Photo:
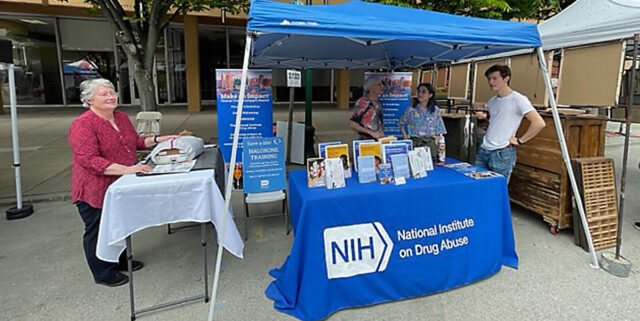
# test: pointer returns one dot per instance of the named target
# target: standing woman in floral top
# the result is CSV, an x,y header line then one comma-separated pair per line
x,y
423,120
367,112
103,144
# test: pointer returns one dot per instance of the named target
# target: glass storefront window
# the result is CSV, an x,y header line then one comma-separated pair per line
x,y
35,58
213,55
236,46
176,62
87,52
79,66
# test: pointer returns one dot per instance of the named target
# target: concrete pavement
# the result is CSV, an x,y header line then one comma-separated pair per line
x,y
43,275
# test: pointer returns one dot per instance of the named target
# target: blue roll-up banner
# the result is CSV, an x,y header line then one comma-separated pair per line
x,y
257,110
263,165
395,98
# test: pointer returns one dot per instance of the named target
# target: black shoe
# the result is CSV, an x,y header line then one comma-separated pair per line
x,y
118,279
637,225
135,266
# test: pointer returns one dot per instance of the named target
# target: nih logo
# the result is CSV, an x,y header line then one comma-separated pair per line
x,y
356,249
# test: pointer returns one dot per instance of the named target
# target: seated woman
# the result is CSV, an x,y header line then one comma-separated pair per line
x,y
103,144
424,122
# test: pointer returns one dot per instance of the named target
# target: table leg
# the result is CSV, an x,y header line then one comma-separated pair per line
x,y
203,241
130,270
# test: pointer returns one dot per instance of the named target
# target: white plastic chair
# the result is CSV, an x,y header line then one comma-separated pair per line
x,y
148,123
266,197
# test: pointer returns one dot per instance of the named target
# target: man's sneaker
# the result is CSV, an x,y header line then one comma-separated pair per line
x,y
637,225
117,279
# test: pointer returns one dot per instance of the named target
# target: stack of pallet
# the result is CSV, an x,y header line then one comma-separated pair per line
x,y
539,181
596,182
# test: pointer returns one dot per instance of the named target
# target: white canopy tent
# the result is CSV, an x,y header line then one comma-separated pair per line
x,y
584,22
591,21
331,36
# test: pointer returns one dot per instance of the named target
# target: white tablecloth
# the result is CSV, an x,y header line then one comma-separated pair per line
x,y
133,203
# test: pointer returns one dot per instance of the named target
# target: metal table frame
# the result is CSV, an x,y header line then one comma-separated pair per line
x,y
205,296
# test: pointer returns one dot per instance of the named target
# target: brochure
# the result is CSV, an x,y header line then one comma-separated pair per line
x,y
372,149
385,173
322,146
418,169
334,173
408,142
393,149
367,172
356,151
387,140
340,151
315,172
480,175
400,166
472,171
425,154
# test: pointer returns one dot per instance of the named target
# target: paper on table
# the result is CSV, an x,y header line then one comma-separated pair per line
x,y
183,167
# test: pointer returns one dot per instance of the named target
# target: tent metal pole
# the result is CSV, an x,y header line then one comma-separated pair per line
x,y
565,155
290,124
14,135
227,191
625,156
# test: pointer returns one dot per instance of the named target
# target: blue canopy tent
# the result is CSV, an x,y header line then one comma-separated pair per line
x,y
371,36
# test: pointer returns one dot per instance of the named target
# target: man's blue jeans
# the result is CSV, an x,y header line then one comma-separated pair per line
x,y
500,161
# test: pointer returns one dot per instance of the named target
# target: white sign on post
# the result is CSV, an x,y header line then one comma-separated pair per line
x,y
294,78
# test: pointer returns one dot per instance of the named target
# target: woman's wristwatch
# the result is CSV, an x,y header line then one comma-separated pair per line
x,y
155,139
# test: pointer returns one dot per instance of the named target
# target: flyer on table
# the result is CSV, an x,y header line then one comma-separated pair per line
x,y
257,110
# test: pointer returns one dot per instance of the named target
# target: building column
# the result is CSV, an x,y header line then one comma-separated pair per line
x,y
342,89
415,81
192,61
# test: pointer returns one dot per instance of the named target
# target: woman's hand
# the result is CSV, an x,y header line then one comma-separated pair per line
x,y
118,170
138,168
161,139
154,140
377,135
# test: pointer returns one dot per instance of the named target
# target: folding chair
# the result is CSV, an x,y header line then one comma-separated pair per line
x,y
148,123
266,197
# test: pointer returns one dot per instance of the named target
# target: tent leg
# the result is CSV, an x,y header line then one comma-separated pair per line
x,y
290,124
625,155
565,155
19,211
227,192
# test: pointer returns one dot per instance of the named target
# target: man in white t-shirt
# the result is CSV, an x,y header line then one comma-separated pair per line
x,y
506,109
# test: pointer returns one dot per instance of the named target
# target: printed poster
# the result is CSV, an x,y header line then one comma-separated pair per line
x,y
395,98
257,110
263,160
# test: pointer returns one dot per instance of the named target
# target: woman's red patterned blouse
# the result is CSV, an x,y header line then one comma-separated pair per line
x,y
95,145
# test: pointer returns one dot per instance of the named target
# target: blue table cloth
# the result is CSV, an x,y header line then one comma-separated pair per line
x,y
372,243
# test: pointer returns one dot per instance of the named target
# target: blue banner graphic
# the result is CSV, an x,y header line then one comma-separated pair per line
x,y
257,112
263,165
395,98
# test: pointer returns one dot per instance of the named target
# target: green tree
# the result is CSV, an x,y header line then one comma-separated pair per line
x,y
139,32
495,9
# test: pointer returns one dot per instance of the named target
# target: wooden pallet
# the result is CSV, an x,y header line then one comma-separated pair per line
x,y
596,181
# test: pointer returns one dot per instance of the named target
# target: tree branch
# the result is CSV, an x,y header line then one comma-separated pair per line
x,y
178,11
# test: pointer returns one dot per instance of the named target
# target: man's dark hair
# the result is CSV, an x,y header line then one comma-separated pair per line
x,y
503,69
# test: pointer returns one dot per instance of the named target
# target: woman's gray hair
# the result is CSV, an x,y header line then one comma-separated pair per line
x,y
88,88
370,82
